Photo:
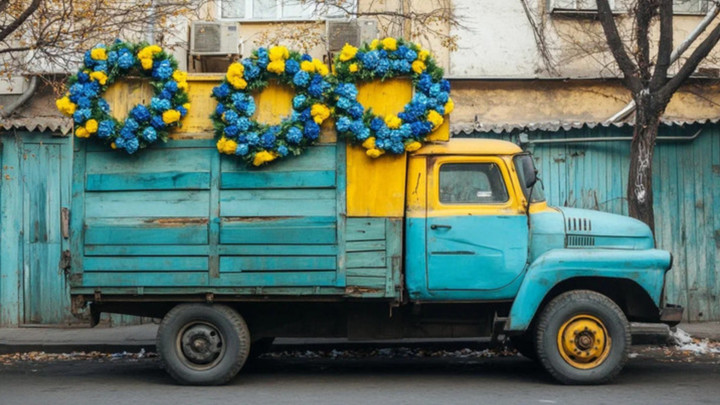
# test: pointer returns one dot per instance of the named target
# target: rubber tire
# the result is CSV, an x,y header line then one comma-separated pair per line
x,y
525,345
564,307
226,320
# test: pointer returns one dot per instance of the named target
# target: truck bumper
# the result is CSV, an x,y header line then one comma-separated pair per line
x,y
671,314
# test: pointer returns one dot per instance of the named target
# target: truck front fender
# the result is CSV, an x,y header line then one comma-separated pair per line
x,y
645,267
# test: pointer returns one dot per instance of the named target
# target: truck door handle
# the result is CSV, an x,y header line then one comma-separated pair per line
x,y
437,226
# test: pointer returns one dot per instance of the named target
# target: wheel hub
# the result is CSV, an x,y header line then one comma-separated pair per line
x,y
201,344
583,341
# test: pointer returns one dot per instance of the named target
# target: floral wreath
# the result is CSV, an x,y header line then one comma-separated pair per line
x,y
102,67
257,143
389,58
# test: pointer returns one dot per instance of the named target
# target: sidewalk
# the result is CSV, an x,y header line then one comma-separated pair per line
x,y
135,338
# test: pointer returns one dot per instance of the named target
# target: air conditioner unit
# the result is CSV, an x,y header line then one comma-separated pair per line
x,y
213,38
354,32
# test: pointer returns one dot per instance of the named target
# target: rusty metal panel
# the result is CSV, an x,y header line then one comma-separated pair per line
x,y
686,181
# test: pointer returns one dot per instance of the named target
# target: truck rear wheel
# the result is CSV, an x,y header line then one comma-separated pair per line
x,y
582,337
202,344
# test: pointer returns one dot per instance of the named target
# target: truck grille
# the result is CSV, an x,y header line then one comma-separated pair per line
x,y
579,225
580,241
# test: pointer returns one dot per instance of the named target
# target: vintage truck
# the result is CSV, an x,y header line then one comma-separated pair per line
x,y
453,240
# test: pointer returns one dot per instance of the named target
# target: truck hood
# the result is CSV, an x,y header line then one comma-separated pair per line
x,y
588,228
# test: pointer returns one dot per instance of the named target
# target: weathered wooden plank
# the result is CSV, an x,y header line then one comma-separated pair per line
x,y
315,158
301,202
341,204
365,245
11,239
394,252
366,259
146,250
367,272
237,264
367,282
365,229
139,231
303,230
278,250
145,264
148,181
277,279
144,279
124,204
295,179
151,160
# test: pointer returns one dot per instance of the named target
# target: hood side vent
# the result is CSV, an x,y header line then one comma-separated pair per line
x,y
580,241
579,225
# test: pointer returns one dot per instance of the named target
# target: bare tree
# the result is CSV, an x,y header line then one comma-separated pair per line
x,y
651,86
54,33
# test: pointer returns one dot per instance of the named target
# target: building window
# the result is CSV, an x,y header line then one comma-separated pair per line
x,y
690,6
272,10
679,6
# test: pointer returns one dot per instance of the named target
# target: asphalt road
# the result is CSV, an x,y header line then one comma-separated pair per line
x,y
649,378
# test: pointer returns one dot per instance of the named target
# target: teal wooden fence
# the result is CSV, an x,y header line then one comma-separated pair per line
x,y
686,182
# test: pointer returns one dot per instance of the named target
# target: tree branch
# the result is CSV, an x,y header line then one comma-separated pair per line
x,y
20,20
664,46
616,46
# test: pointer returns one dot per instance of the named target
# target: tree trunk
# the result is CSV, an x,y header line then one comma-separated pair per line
x,y
639,189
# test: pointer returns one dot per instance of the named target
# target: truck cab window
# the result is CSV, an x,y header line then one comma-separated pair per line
x,y
472,183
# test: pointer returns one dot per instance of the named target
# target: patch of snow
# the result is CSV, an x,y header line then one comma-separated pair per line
x,y
632,355
681,337
686,343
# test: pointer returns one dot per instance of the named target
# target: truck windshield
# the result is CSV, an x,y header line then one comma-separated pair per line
x,y
521,161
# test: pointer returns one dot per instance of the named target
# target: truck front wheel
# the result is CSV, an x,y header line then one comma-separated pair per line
x,y
582,337
202,344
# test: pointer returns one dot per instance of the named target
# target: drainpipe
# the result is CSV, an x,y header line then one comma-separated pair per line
x,y
151,23
524,140
5,112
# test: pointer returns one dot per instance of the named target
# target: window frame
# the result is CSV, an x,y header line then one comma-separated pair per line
x,y
249,8
616,9
439,185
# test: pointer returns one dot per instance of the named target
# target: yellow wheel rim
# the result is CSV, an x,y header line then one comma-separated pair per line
x,y
583,341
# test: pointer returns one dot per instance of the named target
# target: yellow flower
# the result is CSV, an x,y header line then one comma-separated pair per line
x,y
179,76
221,144
81,132
319,112
393,121
449,106
65,106
186,106
148,52
320,67
100,77
113,146
307,66
146,63
277,66
418,66
374,44
369,143
353,67
183,86
263,157
423,55
389,43
235,70
348,52
229,147
435,118
171,116
237,82
98,54
277,53
91,126
374,153
413,146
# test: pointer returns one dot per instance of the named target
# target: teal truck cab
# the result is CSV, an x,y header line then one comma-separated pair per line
x,y
231,257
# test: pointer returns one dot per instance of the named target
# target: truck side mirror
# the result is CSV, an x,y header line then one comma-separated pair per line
x,y
530,175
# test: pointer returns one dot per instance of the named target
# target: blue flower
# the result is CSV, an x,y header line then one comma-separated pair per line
x,y
91,89
83,102
120,143
383,133
294,135
356,127
356,111
306,57
344,103
221,91
83,77
376,124
253,138
382,67
282,150
397,147
410,55
231,116
401,65
301,78
445,85
182,110
103,105
292,66
131,124
299,101
159,104
219,109
77,90
100,66
250,109
112,57
131,145
405,131
317,86
443,97
126,133
262,57
343,124
149,134
157,122
171,86
312,130
162,70
140,113
164,94
231,131
420,128
89,61
243,124
435,90
251,70
81,115
106,128
425,82
126,59
369,59
242,149
347,90
268,139
305,115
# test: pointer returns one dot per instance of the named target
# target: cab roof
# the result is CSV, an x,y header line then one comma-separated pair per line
x,y
470,146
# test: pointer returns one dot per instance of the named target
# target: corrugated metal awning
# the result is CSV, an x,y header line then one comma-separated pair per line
x,y
52,124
